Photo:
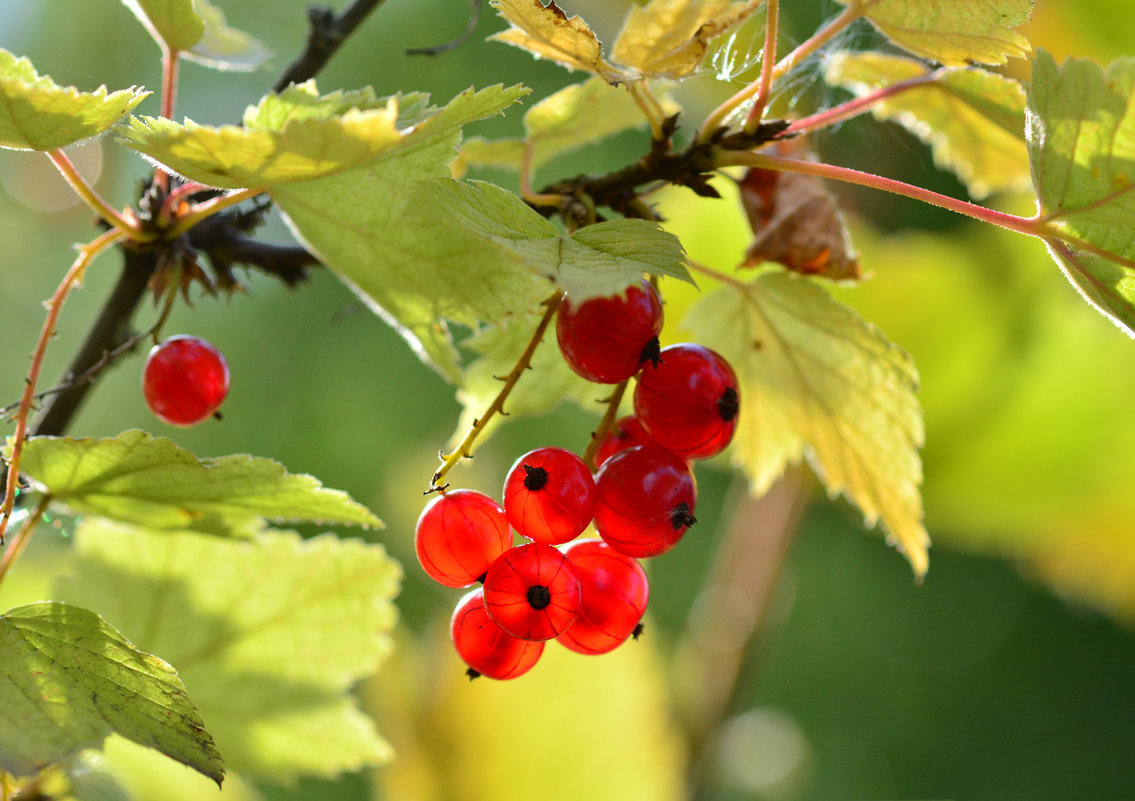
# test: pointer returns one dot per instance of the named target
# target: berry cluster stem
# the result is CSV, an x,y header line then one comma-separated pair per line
x,y
87,253
613,402
464,450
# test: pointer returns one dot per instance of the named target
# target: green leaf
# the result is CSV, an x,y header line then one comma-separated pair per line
x,y
297,135
67,680
819,383
268,635
547,32
223,47
951,32
138,478
973,120
174,24
669,38
38,114
1081,137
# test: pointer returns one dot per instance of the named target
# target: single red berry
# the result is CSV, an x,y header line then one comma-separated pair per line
x,y
607,340
185,380
458,535
549,496
484,647
627,432
532,592
689,404
646,500
615,593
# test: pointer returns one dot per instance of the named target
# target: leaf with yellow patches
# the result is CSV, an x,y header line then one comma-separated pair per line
x,y
547,32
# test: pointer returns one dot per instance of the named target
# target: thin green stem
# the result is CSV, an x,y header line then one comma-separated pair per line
x,y
87,253
209,208
464,450
856,106
768,60
1030,226
613,401
92,198
818,39
651,114
170,62
20,540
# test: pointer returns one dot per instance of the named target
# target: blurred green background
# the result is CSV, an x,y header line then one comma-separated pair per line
x,y
1009,674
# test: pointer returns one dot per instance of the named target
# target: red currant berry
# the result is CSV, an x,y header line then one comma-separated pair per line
x,y
646,500
689,403
549,496
607,340
185,380
625,433
532,592
482,645
615,593
459,535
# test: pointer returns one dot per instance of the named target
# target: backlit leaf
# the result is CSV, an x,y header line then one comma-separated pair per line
x,y
38,114
138,478
67,680
819,383
174,24
952,32
223,47
268,635
669,38
973,120
547,32
1081,136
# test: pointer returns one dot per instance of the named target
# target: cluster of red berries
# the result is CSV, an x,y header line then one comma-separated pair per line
x,y
185,380
590,594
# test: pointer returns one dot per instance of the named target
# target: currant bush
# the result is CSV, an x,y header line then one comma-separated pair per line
x,y
549,496
459,535
532,592
484,647
607,340
185,380
615,594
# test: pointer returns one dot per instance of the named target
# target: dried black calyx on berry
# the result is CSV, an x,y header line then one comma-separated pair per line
x,y
638,630
535,478
538,596
651,352
682,516
728,404
472,674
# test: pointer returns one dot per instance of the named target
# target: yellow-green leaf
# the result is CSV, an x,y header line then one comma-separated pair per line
x,y
38,114
547,32
67,680
223,47
817,382
1081,136
669,38
268,635
950,31
174,24
973,119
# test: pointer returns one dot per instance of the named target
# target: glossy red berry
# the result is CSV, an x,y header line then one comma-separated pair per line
x,y
646,500
533,592
627,432
482,645
185,380
615,594
607,340
459,535
689,404
549,496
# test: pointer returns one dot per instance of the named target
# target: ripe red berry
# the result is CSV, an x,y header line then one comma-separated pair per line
x,y
185,380
607,340
646,500
459,535
482,645
549,496
615,593
627,432
689,403
532,592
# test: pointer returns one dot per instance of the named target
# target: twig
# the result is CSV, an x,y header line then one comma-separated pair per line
x,y
327,35
20,540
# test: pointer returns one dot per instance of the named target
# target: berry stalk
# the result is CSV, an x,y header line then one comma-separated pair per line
x,y
613,401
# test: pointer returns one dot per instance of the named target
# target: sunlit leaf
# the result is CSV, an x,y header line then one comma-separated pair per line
x,y
224,47
1081,136
268,635
973,120
547,32
38,114
138,478
952,32
819,383
67,680
669,38
174,24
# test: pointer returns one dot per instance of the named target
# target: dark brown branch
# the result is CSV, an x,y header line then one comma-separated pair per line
x,y
326,36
